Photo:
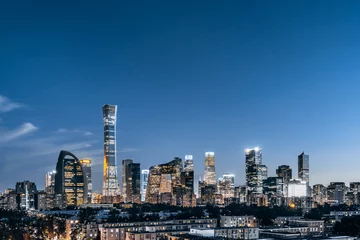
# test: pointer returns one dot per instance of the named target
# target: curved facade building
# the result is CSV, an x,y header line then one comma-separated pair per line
x,y
70,181
110,182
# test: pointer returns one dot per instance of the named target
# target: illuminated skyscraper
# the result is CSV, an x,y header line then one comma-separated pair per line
x,y
144,183
110,182
50,182
50,189
131,181
226,186
209,171
254,171
70,181
86,166
303,167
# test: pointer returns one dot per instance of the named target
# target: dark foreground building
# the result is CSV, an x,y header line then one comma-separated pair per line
x,y
70,181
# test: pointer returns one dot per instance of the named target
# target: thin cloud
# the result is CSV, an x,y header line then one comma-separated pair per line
x,y
6,105
123,150
64,130
18,132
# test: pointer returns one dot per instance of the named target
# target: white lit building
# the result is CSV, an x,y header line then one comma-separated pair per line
x,y
296,188
144,183
226,186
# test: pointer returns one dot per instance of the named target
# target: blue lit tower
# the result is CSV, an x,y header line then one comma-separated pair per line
x,y
110,183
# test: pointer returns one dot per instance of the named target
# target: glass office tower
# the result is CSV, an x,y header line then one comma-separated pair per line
x,y
110,182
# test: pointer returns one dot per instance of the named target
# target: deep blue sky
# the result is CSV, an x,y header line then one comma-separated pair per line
x,y
188,77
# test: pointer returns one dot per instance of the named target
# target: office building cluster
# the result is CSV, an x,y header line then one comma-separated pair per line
x,y
173,182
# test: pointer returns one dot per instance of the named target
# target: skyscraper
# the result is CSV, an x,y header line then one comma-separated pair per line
x,y
226,186
50,189
254,171
70,181
189,172
285,172
144,183
303,167
209,171
110,183
86,166
131,181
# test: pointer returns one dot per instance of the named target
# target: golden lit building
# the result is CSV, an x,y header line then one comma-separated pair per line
x,y
158,184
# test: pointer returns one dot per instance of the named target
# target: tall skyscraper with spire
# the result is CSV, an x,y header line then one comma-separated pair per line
x,y
209,171
110,182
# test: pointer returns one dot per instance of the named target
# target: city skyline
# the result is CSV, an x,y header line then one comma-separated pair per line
x,y
184,82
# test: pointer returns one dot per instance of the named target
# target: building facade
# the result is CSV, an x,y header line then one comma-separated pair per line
x,y
303,167
209,171
110,182
254,172
285,172
168,174
144,183
70,181
86,166
226,186
131,181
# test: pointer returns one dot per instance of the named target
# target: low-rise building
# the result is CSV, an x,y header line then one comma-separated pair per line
x,y
117,231
238,221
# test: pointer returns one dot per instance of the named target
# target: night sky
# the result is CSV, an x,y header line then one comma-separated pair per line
x,y
188,77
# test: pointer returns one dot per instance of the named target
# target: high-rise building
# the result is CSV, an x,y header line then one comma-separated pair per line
x,y
26,195
303,167
274,190
50,189
131,181
70,181
209,171
86,166
189,172
186,191
355,190
226,186
144,183
156,181
110,182
254,171
285,172
335,193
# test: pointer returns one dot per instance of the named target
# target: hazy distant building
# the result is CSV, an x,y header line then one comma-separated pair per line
x,y
226,186
131,181
209,171
254,171
70,181
303,167
144,183
86,167
110,182
159,178
335,193
285,172
355,190
319,194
